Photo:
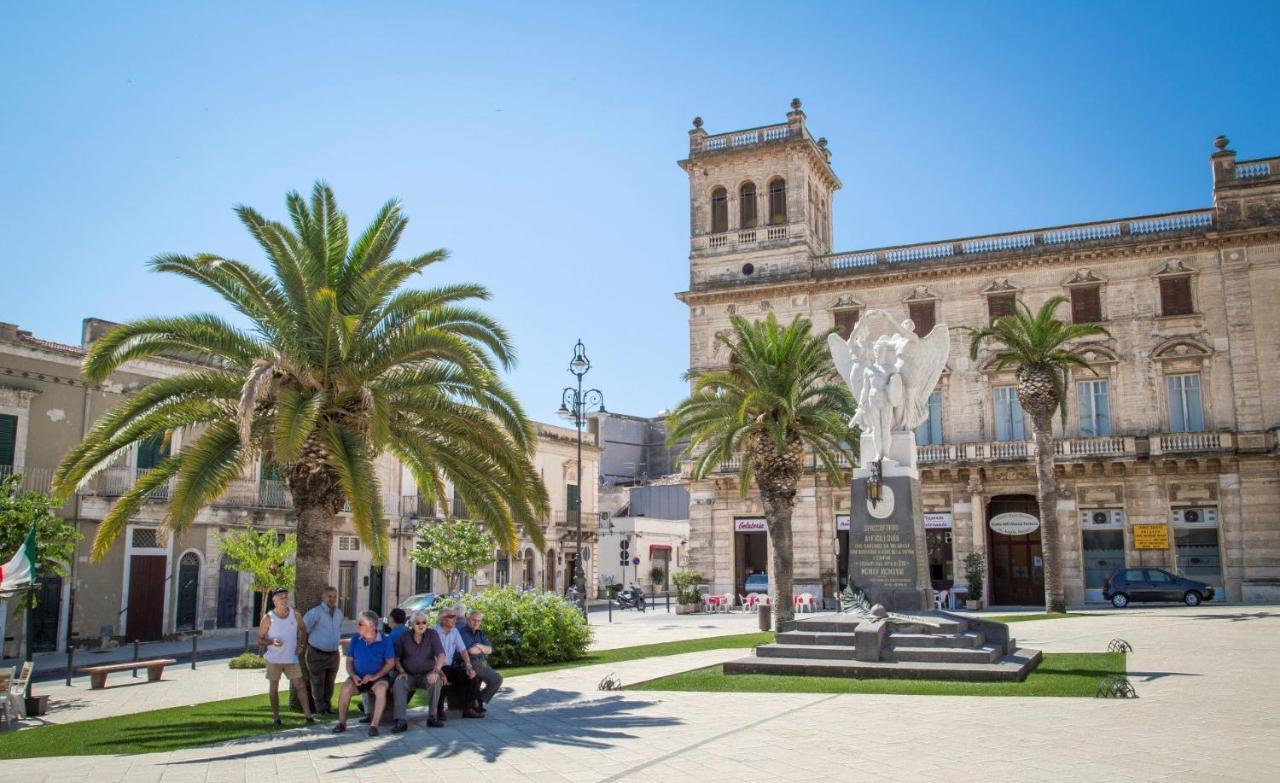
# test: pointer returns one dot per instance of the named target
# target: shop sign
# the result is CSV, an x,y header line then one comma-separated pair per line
x,y
842,522
940,521
754,525
1150,536
1014,523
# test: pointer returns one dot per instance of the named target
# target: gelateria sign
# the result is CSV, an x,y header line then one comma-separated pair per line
x,y
1014,523
752,525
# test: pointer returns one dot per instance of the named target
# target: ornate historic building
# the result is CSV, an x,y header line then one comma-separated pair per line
x,y
1175,436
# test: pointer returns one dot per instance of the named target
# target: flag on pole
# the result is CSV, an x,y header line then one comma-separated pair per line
x,y
20,571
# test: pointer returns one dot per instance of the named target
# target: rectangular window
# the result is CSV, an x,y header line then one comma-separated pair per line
x,y
930,430
574,502
1186,414
1093,406
1008,412
151,452
1175,296
1086,304
845,321
922,315
8,440
1000,305
460,507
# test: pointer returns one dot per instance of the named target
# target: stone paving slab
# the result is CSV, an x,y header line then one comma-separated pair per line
x,y
1209,709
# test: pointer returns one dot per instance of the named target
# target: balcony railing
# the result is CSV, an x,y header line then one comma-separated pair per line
x,y
240,493
743,238
33,479
746,138
1184,442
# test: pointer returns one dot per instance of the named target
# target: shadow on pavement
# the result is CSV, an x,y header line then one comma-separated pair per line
x,y
543,717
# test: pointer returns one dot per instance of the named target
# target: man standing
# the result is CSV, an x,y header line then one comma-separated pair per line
x,y
420,662
458,669
282,635
479,649
324,632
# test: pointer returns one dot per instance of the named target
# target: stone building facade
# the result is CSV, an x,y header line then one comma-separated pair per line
x,y
1175,434
152,585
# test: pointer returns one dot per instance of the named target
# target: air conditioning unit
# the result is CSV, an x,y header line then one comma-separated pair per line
x,y
1206,516
1102,517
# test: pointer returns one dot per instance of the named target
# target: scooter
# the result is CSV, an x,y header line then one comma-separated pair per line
x,y
632,598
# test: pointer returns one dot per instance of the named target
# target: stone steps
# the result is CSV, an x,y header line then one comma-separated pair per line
x,y
819,638
828,651
966,639
987,653
1009,668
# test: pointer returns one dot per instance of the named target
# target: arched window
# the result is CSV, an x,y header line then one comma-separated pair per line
x,y
719,211
188,591
778,201
747,205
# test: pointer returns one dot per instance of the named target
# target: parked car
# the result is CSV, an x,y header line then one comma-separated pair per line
x,y
1153,584
757,583
418,603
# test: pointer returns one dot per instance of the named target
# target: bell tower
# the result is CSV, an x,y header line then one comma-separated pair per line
x,y
759,200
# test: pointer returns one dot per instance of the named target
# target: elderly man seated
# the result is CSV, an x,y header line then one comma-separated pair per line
x,y
479,649
370,658
458,669
420,662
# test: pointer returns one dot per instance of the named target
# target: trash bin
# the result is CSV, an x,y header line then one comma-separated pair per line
x,y
766,622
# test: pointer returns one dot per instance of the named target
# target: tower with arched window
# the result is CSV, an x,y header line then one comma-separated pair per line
x,y
759,199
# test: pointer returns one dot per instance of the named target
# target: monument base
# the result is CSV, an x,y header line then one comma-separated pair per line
x,y
887,550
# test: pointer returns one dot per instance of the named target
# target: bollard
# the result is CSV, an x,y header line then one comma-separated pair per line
x,y
194,639
71,662
668,602
611,610
246,641
765,621
136,658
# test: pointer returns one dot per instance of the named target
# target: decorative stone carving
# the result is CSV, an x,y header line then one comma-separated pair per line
x,y
1083,276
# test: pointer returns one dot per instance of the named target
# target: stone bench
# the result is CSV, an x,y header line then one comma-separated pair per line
x,y
98,674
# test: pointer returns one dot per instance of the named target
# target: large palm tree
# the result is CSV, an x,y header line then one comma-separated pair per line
x,y
1037,346
341,361
779,396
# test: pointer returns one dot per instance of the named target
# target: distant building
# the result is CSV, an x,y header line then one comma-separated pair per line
x,y
635,449
652,527
1176,433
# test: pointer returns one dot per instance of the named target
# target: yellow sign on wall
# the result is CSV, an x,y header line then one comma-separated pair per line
x,y
1150,536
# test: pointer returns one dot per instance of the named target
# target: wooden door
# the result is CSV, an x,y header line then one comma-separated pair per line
x,y
145,618
1017,565
228,596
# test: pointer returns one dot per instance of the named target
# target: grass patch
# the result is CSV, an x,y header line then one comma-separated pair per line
x,y
176,728
1059,674
1026,618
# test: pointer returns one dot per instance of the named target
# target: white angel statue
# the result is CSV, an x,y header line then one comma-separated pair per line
x,y
891,372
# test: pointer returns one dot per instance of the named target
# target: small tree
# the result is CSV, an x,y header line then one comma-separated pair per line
x,y
975,572
55,540
266,556
458,548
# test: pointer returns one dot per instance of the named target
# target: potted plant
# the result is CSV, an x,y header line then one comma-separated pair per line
x,y
688,599
659,577
975,571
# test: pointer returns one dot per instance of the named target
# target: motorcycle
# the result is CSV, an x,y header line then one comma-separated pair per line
x,y
632,598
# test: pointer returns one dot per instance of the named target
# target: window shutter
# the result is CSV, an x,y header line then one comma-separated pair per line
x,y
1175,296
921,314
845,321
151,452
8,440
1000,305
1086,304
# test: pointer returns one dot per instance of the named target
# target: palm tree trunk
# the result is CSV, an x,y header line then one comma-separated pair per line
x,y
1055,597
315,546
777,512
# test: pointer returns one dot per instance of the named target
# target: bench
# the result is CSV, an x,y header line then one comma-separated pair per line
x,y
98,674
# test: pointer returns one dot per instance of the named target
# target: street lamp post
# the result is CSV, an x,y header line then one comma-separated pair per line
x,y
575,404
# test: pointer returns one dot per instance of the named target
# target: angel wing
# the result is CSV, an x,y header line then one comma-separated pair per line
x,y
922,363
849,362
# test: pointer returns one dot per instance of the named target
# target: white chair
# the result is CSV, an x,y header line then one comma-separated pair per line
x,y
17,691
6,680
806,603
940,599
744,603
727,605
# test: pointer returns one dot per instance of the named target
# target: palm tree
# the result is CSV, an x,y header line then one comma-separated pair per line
x,y
1037,346
779,396
340,363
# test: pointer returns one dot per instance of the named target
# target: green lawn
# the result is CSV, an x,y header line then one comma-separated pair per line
x,y
1059,674
1026,618
220,721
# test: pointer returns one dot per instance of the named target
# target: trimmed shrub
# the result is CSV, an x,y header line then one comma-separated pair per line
x,y
525,628
248,660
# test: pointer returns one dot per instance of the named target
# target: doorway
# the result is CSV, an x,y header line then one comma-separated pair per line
x,y
1017,564
145,610
228,595
549,571
571,571
347,587
530,579
45,617
375,589
751,553
188,592
660,557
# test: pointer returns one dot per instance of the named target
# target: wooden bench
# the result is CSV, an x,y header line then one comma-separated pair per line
x,y
98,674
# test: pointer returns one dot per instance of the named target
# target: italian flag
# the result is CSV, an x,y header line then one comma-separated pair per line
x,y
21,569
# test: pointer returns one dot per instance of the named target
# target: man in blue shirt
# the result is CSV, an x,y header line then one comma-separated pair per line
x,y
395,629
324,631
458,669
479,649
370,658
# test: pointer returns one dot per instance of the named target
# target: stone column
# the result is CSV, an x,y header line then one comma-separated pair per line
x,y
978,505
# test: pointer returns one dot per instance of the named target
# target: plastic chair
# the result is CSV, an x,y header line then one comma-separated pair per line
x,y
940,599
743,602
17,691
806,603
727,603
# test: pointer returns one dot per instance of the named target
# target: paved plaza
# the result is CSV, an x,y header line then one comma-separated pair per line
x,y
1208,680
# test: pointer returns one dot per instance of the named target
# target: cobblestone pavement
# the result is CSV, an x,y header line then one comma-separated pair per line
x,y
1209,710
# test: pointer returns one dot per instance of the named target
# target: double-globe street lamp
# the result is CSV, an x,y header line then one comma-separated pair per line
x,y
575,404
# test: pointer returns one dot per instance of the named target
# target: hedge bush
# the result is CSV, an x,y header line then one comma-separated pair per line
x,y
248,660
525,627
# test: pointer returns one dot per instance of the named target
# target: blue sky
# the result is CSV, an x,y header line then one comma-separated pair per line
x,y
537,141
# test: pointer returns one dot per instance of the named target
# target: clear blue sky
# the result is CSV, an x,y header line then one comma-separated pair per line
x,y
537,141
